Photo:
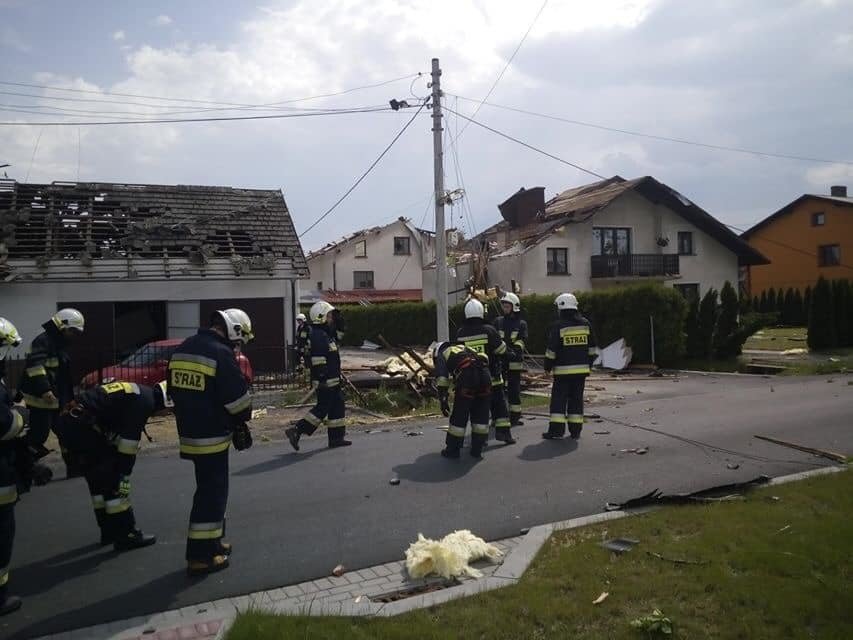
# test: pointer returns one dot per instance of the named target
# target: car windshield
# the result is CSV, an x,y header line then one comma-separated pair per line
x,y
147,355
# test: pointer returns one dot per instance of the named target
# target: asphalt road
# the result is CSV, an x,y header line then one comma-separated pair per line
x,y
294,516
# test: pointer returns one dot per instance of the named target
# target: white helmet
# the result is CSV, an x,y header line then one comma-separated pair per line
x,y
566,301
301,316
474,309
167,401
69,318
512,299
9,338
319,311
238,324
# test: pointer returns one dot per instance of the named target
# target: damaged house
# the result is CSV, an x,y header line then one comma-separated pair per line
x,y
608,233
148,262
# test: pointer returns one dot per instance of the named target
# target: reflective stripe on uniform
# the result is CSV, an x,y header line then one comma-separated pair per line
x,y
127,447
205,530
515,408
52,363
98,502
496,382
315,360
337,422
559,418
8,494
17,426
516,366
571,370
312,419
4,575
193,362
459,432
550,354
500,349
39,403
481,429
518,343
202,446
118,505
502,423
126,387
442,381
34,372
575,418
333,382
574,331
239,404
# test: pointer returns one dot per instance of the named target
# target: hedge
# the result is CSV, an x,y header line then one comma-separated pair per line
x,y
614,313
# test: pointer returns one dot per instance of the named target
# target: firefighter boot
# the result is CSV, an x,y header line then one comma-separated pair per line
x,y
225,548
504,435
293,435
478,443
554,432
203,568
575,431
10,604
134,539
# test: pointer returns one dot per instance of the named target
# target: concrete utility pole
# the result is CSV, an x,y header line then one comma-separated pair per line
x,y
440,237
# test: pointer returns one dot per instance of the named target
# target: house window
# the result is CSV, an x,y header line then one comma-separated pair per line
x,y
689,291
558,262
829,255
401,246
818,219
362,279
685,243
611,241
361,249
319,285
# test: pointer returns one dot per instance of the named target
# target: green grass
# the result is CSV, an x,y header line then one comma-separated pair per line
x,y
778,339
773,568
401,402
729,365
841,365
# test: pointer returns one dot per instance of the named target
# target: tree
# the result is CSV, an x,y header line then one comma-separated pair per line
x,y
807,305
756,304
691,328
706,321
762,304
726,326
799,315
772,304
822,332
840,302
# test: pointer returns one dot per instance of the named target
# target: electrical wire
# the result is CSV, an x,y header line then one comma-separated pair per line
x,y
790,247
369,169
466,207
525,144
716,147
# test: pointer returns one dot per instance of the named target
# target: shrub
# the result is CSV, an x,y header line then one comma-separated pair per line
x,y
822,329
705,323
726,335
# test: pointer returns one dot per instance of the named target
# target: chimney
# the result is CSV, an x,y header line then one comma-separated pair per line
x,y
521,208
838,191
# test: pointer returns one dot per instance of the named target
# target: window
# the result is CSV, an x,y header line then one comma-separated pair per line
x,y
319,285
611,241
828,255
558,262
401,246
689,291
818,219
685,243
362,279
361,249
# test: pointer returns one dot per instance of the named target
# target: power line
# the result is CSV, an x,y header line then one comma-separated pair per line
x,y
529,146
369,169
790,247
506,66
717,147
466,207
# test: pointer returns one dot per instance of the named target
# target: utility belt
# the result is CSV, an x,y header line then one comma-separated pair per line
x,y
469,361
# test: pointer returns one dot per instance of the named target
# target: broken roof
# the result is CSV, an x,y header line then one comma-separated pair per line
x,y
355,235
107,231
579,204
838,200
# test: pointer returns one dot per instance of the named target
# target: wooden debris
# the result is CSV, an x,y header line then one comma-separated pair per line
x,y
831,455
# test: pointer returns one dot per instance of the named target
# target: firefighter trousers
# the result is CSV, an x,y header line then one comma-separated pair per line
x,y
41,423
8,498
498,406
330,407
207,518
567,405
513,391
470,402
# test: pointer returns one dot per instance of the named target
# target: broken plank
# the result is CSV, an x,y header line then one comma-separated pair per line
x,y
831,455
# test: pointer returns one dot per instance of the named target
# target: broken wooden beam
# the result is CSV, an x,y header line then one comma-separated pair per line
x,y
396,352
831,455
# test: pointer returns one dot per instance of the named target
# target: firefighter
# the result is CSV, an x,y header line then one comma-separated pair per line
x,y
325,361
46,383
571,350
483,339
101,429
212,407
472,393
302,332
18,467
512,329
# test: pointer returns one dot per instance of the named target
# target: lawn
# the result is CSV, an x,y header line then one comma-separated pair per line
x,y
778,339
774,565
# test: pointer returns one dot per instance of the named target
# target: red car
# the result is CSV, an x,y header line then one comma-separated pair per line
x,y
149,365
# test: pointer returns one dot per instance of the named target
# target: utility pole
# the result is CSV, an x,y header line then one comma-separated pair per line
x,y
440,196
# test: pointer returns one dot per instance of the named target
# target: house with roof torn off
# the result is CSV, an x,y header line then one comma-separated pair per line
x,y
609,233
148,262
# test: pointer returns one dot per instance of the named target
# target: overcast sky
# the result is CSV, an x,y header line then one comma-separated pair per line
x,y
771,75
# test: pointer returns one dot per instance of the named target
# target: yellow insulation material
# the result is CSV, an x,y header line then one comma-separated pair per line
x,y
450,556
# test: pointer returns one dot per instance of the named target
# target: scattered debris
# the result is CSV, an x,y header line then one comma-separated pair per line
x,y
732,465
258,413
647,409
339,571
394,481
638,450
620,545
831,455
450,556
617,355
772,390
601,598
795,352
601,433
654,623
658,497
676,560
524,531
830,381
367,345
414,433
783,529
359,599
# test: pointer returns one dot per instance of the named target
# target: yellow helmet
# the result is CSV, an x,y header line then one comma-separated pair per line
x,y
69,318
9,338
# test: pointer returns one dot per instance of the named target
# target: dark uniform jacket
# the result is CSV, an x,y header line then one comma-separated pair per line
x,y
303,334
483,339
323,356
119,412
11,426
512,329
571,346
452,361
210,393
48,368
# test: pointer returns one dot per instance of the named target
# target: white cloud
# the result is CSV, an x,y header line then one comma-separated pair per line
x,y
119,35
163,20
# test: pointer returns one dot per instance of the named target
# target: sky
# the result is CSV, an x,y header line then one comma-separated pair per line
x,y
768,75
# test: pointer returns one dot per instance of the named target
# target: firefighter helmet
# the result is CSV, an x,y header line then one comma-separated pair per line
x,y
566,301
164,395
9,338
474,309
69,318
319,311
512,299
439,347
300,317
238,325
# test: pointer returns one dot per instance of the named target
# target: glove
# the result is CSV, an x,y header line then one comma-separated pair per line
x,y
445,404
41,474
124,486
242,437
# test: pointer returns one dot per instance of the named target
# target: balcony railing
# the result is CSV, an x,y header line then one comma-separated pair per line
x,y
637,265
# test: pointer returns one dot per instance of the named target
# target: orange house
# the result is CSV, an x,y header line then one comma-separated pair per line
x,y
808,238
